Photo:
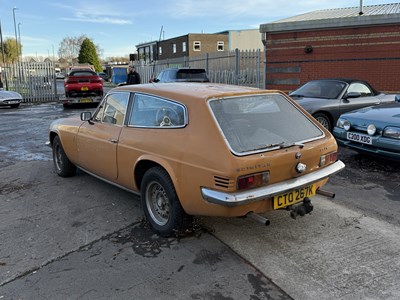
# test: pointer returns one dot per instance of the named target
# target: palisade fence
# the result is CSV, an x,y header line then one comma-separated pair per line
x,y
35,81
230,67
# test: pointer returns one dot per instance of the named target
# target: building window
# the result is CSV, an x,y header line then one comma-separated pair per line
x,y
184,47
159,50
220,46
173,48
196,46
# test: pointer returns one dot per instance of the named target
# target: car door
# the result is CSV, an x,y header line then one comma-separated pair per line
x,y
97,139
367,97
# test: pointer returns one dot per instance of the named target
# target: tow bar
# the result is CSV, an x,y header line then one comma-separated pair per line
x,y
298,209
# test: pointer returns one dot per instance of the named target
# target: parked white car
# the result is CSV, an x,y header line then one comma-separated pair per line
x,y
10,98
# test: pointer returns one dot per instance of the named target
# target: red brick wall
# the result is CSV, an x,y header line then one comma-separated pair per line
x,y
368,53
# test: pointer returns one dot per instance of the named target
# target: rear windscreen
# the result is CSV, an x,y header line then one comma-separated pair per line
x,y
262,122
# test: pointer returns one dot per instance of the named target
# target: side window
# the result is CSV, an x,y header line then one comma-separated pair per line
x,y
151,111
113,109
360,88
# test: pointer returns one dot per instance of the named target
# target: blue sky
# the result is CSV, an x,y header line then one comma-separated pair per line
x,y
118,25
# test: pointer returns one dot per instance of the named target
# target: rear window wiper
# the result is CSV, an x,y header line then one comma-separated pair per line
x,y
280,145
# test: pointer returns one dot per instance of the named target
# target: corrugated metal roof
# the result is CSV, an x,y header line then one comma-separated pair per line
x,y
335,13
338,17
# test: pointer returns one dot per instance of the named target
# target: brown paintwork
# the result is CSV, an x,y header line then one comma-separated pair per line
x,y
192,156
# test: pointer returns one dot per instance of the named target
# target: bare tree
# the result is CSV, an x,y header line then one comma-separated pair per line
x,y
69,47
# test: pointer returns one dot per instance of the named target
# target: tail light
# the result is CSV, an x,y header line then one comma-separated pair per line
x,y
96,80
252,180
327,159
70,80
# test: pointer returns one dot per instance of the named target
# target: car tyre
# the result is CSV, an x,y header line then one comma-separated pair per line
x,y
324,120
160,203
62,164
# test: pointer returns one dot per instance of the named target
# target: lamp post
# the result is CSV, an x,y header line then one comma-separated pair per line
x,y
15,29
19,37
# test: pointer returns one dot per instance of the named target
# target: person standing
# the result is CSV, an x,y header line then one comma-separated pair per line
x,y
133,76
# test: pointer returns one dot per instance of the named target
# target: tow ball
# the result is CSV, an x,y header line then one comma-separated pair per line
x,y
301,209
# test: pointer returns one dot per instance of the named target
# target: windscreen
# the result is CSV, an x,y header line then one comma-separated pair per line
x,y
327,89
262,122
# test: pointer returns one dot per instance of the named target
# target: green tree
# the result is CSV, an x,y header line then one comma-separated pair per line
x,y
10,50
88,55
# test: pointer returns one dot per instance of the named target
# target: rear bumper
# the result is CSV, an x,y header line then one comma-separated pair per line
x,y
262,193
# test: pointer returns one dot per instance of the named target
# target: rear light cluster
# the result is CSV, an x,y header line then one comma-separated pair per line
x,y
327,159
252,180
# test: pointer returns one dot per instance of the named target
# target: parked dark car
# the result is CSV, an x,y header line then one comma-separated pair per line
x,y
374,130
182,74
104,76
327,99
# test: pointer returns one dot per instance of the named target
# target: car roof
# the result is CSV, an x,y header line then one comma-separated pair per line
x,y
185,69
189,91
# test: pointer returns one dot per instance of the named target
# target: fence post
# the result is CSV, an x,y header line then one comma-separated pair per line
x,y
237,66
258,69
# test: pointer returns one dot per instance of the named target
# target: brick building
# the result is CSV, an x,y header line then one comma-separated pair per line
x,y
189,45
357,42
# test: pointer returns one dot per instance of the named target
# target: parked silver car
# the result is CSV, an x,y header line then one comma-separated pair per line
x,y
327,99
10,98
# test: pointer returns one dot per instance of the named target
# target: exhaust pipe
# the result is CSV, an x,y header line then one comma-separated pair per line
x,y
326,193
258,218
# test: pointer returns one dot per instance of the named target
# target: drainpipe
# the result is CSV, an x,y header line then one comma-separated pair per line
x,y
361,8
264,41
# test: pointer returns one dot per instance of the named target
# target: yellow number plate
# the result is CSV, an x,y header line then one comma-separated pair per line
x,y
84,88
293,197
85,100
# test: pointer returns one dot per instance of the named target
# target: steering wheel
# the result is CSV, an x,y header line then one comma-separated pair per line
x,y
165,115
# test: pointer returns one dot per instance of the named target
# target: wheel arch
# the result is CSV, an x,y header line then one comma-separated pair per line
x,y
326,113
146,163
52,135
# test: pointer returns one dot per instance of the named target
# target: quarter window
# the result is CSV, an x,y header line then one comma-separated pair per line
x,y
197,46
360,88
151,111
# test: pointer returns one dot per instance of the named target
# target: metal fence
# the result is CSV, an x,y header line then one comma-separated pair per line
x,y
36,82
230,67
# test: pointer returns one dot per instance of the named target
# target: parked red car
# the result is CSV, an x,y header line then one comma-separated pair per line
x,y
82,86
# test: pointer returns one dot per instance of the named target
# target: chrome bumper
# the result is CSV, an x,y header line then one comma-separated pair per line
x,y
245,197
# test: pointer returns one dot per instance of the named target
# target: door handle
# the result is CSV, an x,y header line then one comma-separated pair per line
x,y
114,141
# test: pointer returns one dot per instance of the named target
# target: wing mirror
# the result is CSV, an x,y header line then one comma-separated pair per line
x,y
397,98
86,115
352,95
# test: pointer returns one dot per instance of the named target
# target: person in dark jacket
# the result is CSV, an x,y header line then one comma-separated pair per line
x,y
133,76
